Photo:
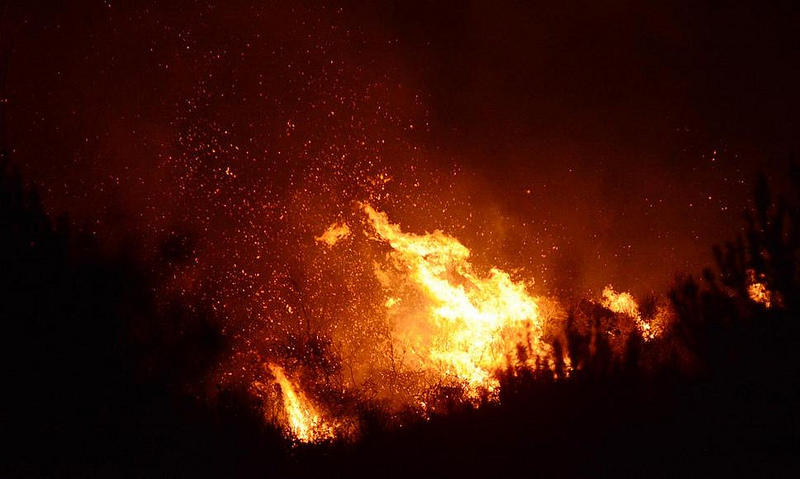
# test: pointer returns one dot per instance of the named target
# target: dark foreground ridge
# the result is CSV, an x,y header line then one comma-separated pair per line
x,y
100,374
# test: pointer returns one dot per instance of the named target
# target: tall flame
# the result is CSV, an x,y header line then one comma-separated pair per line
x,y
446,317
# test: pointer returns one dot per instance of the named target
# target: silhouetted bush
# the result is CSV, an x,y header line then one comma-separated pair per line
x,y
742,321
93,369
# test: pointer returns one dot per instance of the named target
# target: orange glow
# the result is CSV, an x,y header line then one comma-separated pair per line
x,y
448,320
303,421
757,290
333,234
621,303
424,326
624,303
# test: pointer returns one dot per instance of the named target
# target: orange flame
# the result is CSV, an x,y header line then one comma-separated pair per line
x,y
757,290
624,303
440,322
448,319
303,420
333,234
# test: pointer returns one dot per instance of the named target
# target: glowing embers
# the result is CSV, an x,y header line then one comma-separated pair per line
x,y
757,289
448,321
302,421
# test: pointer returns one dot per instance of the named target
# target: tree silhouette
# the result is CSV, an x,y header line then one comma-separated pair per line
x,y
93,367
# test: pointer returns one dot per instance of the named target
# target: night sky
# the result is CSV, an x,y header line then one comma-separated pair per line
x,y
579,144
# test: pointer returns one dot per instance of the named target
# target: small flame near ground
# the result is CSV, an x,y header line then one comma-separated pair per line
x,y
303,420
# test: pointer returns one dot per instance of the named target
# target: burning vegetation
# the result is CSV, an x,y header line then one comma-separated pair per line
x,y
422,329
397,240
300,417
447,331
448,321
624,304
415,349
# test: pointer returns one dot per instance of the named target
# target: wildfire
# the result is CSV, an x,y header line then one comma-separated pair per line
x,y
624,303
436,324
303,420
447,319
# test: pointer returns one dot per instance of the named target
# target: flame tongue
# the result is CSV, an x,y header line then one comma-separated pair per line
x,y
453,321
303,420
334,234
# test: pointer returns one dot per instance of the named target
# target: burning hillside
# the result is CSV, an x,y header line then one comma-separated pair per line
x,y
445,328
406,238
